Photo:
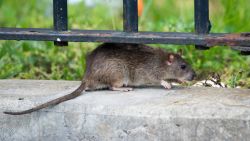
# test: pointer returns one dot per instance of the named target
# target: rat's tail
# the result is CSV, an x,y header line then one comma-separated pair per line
x,y
72,95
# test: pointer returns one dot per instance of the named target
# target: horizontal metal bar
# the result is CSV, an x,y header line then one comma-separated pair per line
x,y
130,15
60,13
126,37
245,52
202,23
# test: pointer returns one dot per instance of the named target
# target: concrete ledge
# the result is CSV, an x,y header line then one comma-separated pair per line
x,y
145,114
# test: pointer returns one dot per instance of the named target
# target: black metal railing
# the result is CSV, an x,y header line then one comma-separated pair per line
x,y
60,12
202,39
202,22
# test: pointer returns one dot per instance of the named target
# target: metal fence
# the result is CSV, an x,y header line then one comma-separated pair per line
x,y
202,39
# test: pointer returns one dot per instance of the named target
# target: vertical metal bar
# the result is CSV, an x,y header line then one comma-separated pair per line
x,y
130,15
60,12
202,23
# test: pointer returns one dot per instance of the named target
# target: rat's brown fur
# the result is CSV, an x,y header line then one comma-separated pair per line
x,y
120,66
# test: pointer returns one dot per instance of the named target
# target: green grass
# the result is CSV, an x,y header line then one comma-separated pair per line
x,y
42,60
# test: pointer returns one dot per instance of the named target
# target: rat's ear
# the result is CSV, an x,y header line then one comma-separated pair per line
x,y
170,59
180,52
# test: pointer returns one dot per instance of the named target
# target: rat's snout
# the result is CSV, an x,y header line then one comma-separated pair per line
x,y
192,76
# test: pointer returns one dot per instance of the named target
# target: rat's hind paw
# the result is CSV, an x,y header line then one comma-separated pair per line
x,y
123,89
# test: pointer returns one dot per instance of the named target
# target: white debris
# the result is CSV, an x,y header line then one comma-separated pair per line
x,y
210,83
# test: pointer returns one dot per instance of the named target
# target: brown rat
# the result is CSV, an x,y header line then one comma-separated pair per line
x,y
120,67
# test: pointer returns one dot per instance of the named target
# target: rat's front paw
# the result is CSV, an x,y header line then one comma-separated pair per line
x,y
165,84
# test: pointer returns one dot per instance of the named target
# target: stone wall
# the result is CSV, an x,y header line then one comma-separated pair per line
x,y
145,114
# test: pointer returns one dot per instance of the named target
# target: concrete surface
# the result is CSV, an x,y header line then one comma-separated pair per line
x,y
145,114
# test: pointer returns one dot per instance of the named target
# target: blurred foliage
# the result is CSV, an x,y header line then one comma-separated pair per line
x,y
42,60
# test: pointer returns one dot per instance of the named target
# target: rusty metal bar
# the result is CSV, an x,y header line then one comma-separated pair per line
x,y
224,39
60,12
130,15
202,23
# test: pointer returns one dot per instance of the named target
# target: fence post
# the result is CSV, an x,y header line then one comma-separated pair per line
x,y
202,23
130,15
60,13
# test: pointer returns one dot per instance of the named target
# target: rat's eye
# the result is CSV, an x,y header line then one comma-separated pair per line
x,y
183,67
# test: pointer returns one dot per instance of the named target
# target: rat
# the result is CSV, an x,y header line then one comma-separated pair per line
x,y
122,66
